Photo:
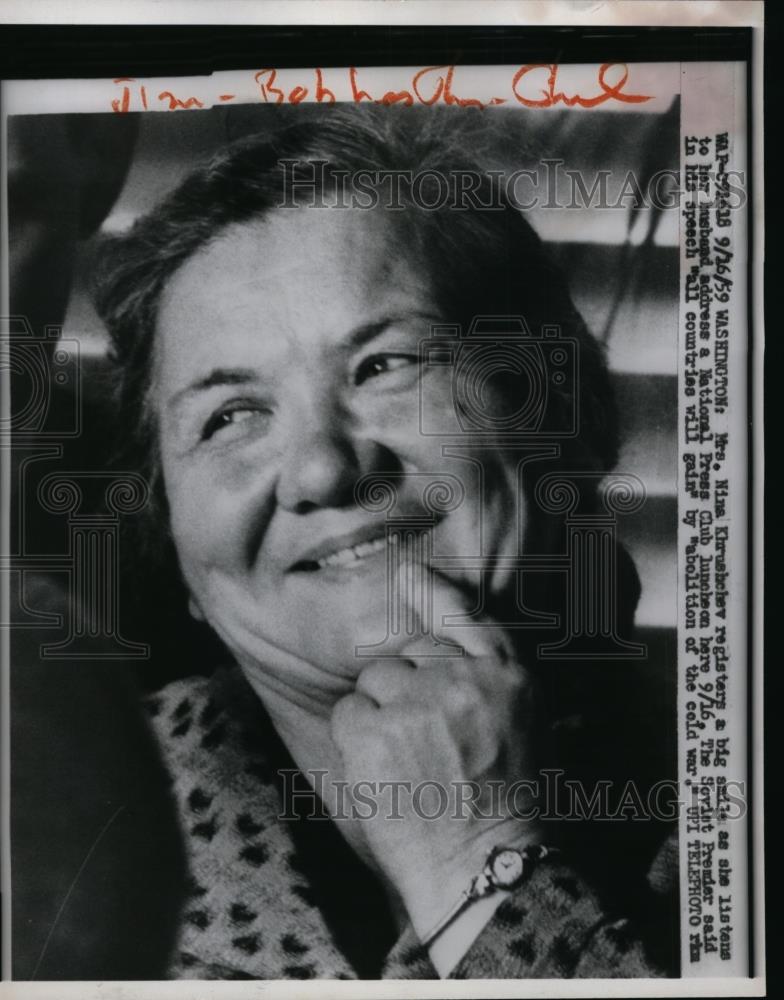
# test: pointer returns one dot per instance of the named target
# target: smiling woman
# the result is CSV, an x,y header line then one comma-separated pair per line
x,y
274,361
317,389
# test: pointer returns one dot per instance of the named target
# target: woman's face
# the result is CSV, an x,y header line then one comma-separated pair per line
x,y
287,367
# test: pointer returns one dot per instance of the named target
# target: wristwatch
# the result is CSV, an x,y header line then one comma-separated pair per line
x,y
506,868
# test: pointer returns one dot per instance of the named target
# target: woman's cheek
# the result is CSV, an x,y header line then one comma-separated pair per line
x,y
205,525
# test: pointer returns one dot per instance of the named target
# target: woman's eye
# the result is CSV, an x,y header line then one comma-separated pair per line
x,y
230,418
383,364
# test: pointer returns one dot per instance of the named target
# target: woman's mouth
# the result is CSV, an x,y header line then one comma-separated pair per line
x,y
349,550
366,548
347,557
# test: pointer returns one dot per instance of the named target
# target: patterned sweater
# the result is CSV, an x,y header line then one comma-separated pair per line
x,y
260,895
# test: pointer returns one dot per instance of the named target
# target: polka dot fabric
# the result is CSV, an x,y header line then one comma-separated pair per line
x,y
249,912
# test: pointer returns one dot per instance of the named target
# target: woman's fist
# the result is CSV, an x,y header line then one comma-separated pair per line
x,y
439,757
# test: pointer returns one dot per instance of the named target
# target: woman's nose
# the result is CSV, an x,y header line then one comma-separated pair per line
x,y
321,464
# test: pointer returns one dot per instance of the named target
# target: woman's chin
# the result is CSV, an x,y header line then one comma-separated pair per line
x,y
347,650
344,636
343,616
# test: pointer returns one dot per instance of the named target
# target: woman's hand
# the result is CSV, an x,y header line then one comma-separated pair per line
x,y
464,724
453,737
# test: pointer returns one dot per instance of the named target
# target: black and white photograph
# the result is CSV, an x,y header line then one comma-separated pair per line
x,y
375,563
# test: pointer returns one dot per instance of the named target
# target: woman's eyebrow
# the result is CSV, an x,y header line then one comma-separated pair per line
x,y
364,334
217,377
243,376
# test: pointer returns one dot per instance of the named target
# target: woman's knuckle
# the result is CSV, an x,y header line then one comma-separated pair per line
x,y
461,695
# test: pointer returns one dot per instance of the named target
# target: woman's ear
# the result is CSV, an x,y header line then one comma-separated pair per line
x,y
194,609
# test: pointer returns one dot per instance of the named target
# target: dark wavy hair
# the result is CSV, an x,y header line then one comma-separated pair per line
x,y
482,261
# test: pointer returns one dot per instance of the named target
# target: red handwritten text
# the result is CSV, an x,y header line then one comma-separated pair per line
x,y
535,85
551,96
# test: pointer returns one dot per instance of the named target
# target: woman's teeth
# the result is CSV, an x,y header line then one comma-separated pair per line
x,y
345,557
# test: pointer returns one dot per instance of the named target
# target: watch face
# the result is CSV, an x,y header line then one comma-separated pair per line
x,y
507,867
